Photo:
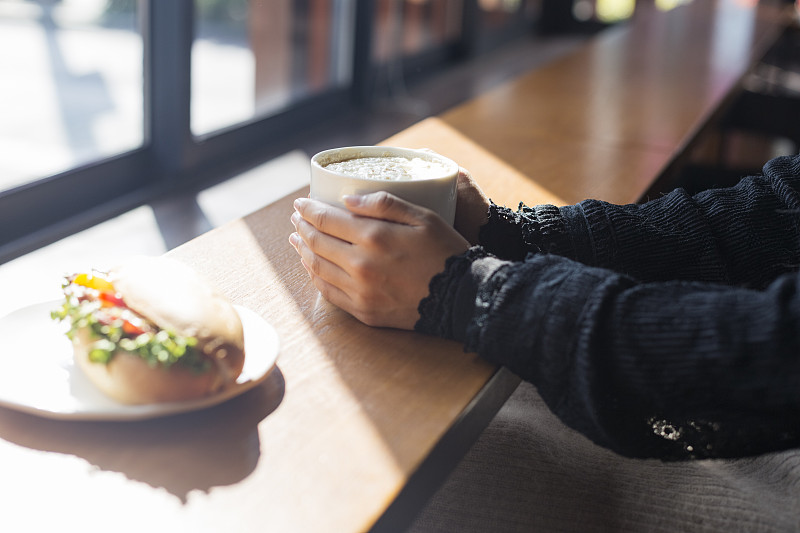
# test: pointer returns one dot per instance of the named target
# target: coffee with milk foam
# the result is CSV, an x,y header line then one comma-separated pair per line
x,y
389,168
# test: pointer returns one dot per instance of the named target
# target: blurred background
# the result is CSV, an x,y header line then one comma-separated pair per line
x,y
108,104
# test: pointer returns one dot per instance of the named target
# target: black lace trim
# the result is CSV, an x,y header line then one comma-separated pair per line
x,y
502,234
512,235
484,300
436,309
543,229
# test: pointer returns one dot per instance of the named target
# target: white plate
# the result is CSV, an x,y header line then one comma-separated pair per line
x,y
38,375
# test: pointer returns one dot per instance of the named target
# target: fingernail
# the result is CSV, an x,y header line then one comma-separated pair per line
x,y
300,202
294,239
295,218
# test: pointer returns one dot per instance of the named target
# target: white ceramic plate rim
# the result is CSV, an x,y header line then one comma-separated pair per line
x,y
38,375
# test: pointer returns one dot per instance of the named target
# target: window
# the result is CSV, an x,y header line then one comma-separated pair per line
x,y
501,20
412,27
254,59
75,94
107,104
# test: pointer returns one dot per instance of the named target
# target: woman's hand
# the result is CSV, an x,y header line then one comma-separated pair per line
x,y
472,207
375,259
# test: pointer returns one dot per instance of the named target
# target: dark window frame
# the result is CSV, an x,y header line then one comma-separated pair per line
x,y
171,158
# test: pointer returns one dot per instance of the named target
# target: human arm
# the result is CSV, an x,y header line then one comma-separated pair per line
x,y
670,370
707,365
747,234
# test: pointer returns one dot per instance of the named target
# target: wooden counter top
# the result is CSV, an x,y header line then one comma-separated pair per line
x,y
353,414
606,121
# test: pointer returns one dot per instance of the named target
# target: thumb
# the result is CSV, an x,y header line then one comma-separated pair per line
x,y
384,206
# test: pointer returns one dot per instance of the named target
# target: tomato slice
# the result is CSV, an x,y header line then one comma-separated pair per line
x,y
109,299
131,328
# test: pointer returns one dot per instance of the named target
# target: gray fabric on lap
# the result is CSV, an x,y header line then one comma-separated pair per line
x,y
528,472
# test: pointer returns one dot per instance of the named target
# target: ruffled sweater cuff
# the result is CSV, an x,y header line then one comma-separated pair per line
x,y
450,305
456,303
512,235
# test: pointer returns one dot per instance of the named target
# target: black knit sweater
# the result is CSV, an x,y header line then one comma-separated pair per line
x,y
666,329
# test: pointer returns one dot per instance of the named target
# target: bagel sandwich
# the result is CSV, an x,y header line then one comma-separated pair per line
x,y
152,330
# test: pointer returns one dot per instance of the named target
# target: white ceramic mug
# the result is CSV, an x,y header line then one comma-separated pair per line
x,y
437,193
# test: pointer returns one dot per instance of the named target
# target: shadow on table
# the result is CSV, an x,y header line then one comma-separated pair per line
x,y
181,453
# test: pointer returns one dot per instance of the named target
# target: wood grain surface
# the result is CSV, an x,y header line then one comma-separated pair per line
x,y
351,411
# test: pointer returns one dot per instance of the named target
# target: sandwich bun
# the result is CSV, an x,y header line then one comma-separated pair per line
x,y
128,379
172,297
